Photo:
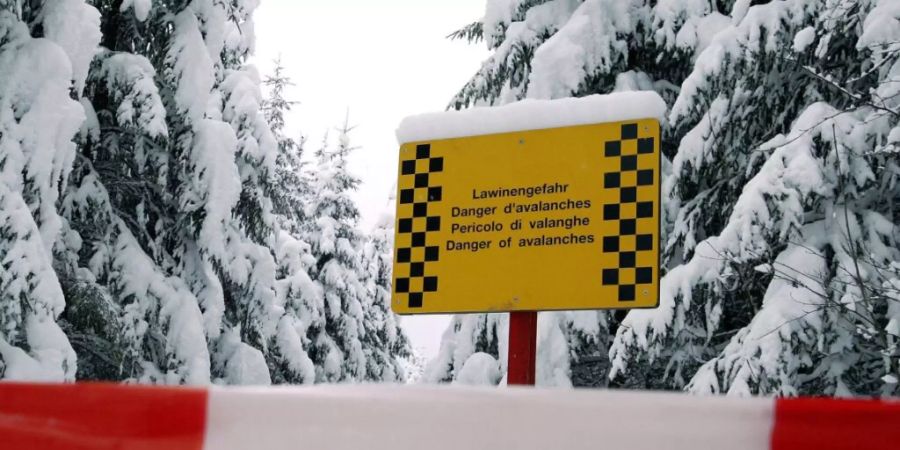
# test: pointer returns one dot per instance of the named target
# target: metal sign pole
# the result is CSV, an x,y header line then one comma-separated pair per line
x,y
522,348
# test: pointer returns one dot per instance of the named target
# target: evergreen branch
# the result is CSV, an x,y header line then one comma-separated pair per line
x,y
858,98
871,71
800,134
473,32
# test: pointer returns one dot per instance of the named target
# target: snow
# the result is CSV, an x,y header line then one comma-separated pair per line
x,y
38,142
160,305
792,302
553,347
217,275
243,110
170,238
587,44
191,65
668,15
130,80
166,300
466,332
74,26
882,35
540,21
38,120
211,18
246,365
803,38
239,34
881,25
480,369
141,8
790,174
216,176
532,115
332,365
458,344
27,264
90,128
633,81
19,366
28,278
742,38
698,33
686,24
497,16
290,344
50,347
739,10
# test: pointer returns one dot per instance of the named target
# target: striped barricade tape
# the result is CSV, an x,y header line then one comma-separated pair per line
x,y
99,416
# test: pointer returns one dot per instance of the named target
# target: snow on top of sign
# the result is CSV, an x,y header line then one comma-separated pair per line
x,y
532,115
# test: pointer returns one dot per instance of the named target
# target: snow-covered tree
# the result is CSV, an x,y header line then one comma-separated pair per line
x,y
39,76
222,160
299,296
303,302
292,194
151,209
561,48
335,244
387,349
121,207
784,280
780,249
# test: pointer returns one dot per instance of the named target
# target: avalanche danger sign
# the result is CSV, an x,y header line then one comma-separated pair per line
x,y
550,219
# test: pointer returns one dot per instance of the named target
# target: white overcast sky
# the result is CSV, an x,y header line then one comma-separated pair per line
x,y
381,60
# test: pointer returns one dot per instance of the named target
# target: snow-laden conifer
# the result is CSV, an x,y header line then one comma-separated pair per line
x,y
38,120
335,243
779,245
299,296
292,193
153,220
224,154
788,288
562,48
387,349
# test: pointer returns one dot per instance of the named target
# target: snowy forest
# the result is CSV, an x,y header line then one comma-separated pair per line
x,y
781,263
157,225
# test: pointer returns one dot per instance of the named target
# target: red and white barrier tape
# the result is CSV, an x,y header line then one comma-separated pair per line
x,y
97,416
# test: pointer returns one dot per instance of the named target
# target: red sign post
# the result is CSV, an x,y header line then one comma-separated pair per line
x,y
522,347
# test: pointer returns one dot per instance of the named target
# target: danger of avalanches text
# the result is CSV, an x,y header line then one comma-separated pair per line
x,y
515,208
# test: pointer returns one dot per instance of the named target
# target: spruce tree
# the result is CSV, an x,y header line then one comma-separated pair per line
x,y
780,253
289,199
43,64
152,223
387,348
167,263
785,284
313,339
222,160
554,49
299,296
335,244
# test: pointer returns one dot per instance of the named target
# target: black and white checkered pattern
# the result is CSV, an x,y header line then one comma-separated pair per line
x,y
632,205
417,192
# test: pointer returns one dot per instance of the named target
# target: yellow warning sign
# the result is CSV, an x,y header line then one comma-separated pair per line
x,y
553,219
